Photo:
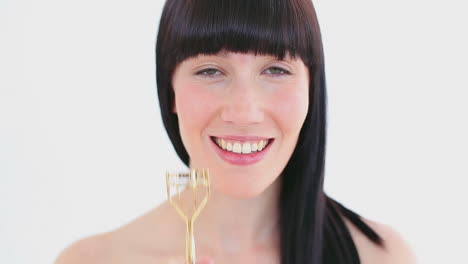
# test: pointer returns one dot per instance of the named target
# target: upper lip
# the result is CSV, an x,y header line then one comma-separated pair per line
x,y
241,138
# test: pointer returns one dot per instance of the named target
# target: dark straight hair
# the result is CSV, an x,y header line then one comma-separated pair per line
x,y
312,227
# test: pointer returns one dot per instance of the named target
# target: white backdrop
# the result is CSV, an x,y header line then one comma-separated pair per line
x,y
83,149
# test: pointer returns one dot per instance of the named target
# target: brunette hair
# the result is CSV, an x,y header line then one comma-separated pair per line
x,y
312,226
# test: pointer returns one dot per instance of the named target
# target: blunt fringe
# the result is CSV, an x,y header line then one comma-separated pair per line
x,y
313,230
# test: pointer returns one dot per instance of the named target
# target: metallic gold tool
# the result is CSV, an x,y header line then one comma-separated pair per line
x,y
197,183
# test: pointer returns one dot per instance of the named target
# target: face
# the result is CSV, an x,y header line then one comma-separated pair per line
x,y
240,116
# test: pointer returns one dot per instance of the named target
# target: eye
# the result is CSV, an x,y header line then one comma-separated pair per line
x,y
277,71
208,73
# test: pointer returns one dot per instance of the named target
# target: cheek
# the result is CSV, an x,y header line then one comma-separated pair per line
x,y
195,106
290,109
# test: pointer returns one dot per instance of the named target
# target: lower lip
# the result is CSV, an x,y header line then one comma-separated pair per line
x,y
242,159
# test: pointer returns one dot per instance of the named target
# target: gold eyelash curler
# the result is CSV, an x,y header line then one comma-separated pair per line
x,y
198,182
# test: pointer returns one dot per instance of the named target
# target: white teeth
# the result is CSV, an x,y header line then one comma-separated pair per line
x,y
246,148
261,145
254,147
238,147
223,144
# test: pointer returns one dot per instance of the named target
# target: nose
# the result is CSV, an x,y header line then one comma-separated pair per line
x,y
242,106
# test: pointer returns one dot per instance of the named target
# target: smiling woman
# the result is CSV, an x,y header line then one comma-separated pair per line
x,y
249,107
242,92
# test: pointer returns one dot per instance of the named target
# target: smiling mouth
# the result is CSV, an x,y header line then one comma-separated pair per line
x,y
242,147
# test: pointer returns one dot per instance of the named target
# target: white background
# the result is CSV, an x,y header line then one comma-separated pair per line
x,y
83,149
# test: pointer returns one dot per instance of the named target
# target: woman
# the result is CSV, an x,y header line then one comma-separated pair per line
x,y
241,87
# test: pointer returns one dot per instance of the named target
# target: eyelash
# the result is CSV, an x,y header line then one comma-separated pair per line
x,y
204,71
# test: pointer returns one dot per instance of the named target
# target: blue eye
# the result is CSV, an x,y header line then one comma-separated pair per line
x,y
210,72
278,71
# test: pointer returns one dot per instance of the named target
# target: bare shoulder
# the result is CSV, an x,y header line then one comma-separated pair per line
x,y
93,249
150,238
395,248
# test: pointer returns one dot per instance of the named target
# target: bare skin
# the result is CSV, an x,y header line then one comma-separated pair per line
x,y
159,237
